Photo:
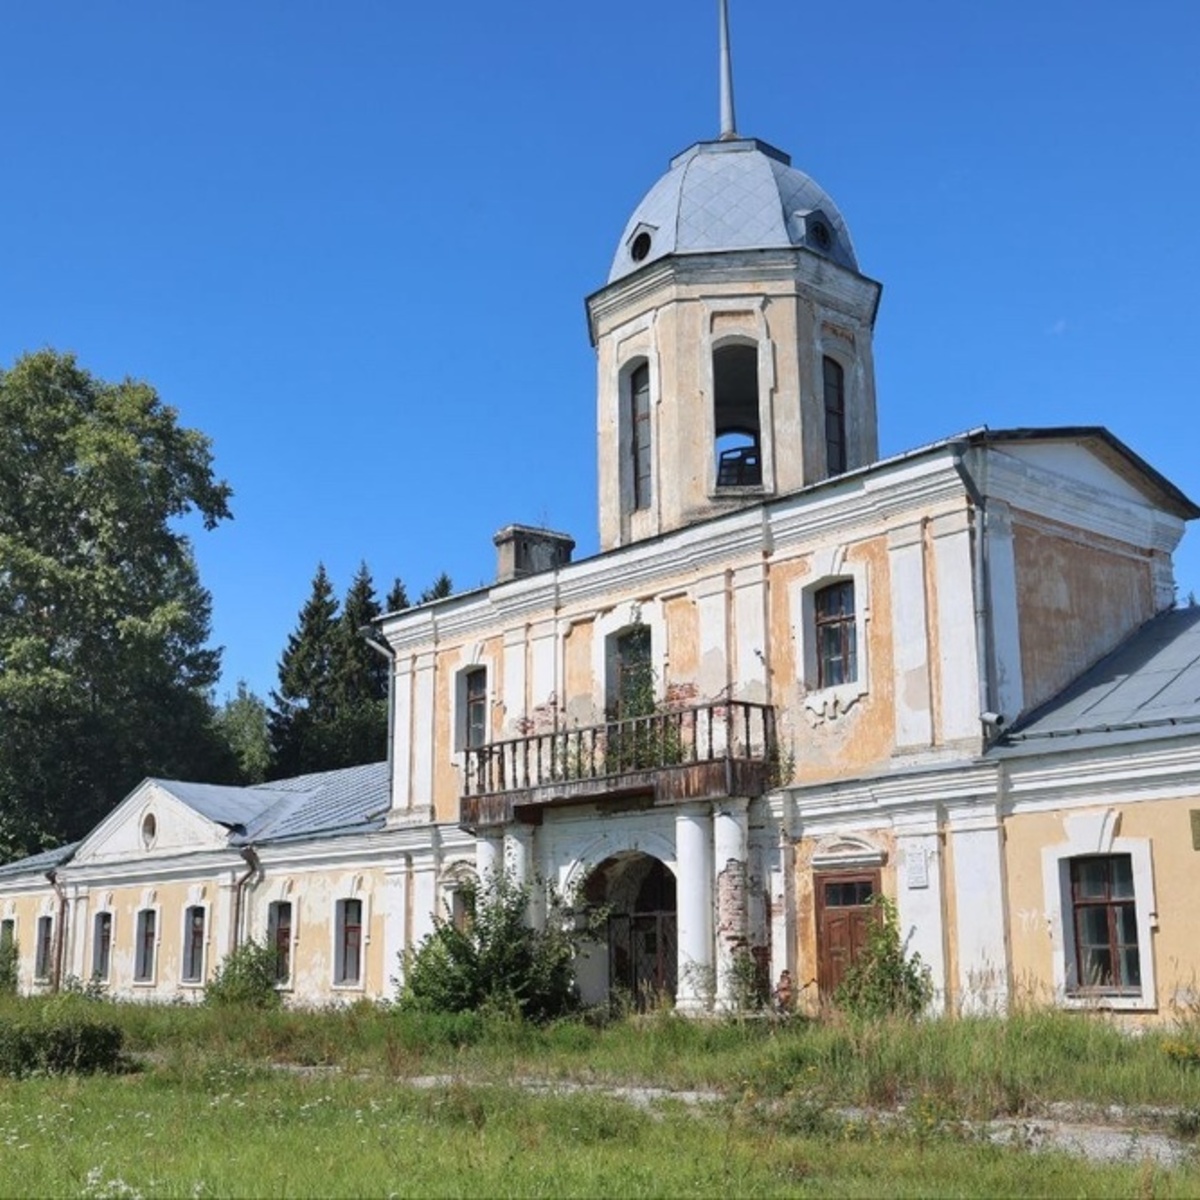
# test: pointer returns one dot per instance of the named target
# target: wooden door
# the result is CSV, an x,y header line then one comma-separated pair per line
x,y
844,914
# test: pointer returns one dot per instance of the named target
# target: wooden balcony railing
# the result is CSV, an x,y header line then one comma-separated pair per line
x,y
602,755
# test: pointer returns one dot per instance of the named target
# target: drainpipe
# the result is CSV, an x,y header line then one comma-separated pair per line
x,y
60,941
387,652
983,593
253,866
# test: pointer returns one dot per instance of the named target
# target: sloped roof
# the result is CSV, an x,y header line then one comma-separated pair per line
x,y
233,807
1149,686
38,863
344,801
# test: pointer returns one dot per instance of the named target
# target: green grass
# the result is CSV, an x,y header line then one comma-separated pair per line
x,y
232,1131
208,1111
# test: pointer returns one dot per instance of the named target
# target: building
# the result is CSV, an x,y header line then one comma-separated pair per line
x,y
796,677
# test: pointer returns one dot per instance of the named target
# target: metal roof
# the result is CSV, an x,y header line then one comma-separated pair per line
x,y
233,807
1149,685
343,801
738,194
40,863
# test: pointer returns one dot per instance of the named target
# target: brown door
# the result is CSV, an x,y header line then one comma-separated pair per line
x,y
844,913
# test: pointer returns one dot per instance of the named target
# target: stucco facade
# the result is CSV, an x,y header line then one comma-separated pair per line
x,y
795,677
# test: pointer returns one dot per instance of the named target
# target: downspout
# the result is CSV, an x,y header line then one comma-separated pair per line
x,y
253,866
983,586
60,941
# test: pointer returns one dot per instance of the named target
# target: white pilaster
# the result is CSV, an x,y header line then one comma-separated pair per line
x,y
402,737
730,853
919,900
956,640
1005,611
489,855
694,892
750,625
978,852
906,571
421,794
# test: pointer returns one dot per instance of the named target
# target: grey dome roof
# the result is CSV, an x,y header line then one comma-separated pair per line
x,y
739,194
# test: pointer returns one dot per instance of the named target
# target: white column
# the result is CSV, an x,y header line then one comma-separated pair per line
x,y
980,901
489,854
730,851
518,864
693,890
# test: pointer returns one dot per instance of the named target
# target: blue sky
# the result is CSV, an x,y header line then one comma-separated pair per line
x,y
351,241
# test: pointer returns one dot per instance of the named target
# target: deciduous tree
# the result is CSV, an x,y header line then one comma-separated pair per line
x,y
105,669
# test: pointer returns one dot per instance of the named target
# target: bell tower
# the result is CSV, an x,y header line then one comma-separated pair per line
x,y
733,339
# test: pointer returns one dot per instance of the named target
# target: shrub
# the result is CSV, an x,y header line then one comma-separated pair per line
x,y
496,960
10,957
245,978
884,981
59,1039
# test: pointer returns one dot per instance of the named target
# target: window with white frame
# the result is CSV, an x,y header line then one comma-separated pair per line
x,y
144,946
279,938
193,944
44,956
102,929
8,933
636,492
1101,912
830,621
349,942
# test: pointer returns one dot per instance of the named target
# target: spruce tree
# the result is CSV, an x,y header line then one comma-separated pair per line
x,y
358,729
438,590
305,703
397,598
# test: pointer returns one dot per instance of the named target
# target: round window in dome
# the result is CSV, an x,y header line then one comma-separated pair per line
x,y
821,236
640,247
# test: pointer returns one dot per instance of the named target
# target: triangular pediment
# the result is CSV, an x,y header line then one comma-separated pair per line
x,y
150,823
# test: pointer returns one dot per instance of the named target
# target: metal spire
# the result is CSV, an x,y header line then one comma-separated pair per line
x,y
728,125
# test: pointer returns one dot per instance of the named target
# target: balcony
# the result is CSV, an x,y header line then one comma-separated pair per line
x,y
703,752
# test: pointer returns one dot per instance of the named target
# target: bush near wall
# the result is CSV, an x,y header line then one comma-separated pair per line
x,y
57,1039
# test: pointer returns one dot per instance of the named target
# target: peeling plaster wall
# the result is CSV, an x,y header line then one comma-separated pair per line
x,y
1078,597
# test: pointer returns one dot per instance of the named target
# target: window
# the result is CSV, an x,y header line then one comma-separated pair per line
x,y
143,951
735,416
835,415
45,948
1104,916
279,938
349,942
8,933
472,712
639,435
101,945
633,685
193,944
476,701
836,634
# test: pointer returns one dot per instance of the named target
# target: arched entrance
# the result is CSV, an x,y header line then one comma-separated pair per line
x,y
638,891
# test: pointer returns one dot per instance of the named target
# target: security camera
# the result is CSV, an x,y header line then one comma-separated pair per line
x,y
993,720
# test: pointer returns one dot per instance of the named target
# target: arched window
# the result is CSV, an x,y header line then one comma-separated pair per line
x,y
735,416
639,436
835,415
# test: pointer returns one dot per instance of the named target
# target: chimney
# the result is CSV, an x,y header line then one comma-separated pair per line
x,y
522,550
